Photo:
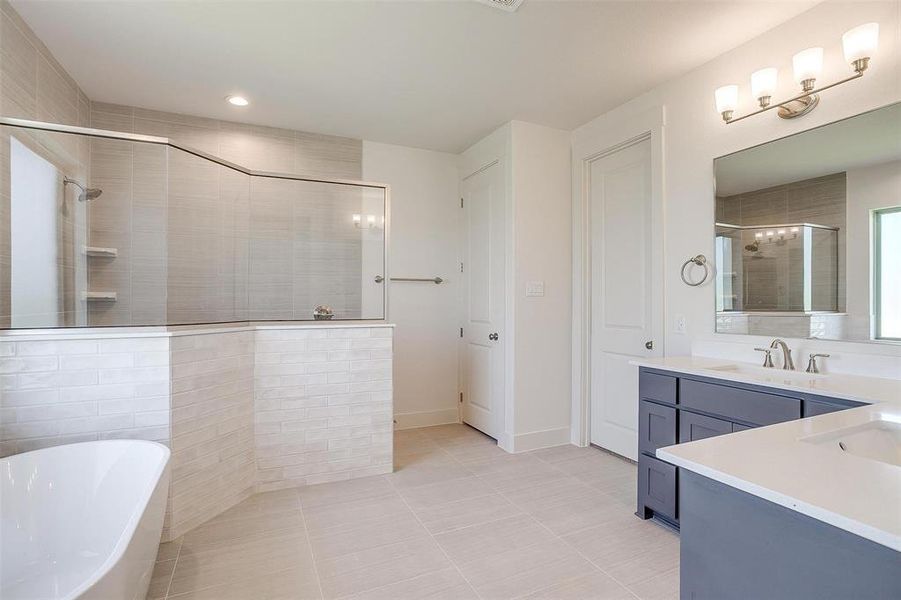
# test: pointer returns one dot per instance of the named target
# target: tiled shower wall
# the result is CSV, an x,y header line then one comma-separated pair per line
x,y
212,426
235,247
66,391
34,86
323,406
241,410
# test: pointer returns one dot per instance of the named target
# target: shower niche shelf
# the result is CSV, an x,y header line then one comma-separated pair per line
x,y
101,252
99,296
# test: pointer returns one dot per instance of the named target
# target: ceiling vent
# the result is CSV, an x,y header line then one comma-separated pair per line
x,y
505,5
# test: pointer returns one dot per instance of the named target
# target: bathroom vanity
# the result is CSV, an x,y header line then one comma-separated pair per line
x,y
769,501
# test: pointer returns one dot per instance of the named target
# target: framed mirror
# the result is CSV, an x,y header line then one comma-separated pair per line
x,y
808,233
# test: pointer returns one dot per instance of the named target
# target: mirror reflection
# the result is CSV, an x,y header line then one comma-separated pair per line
x,y
808,233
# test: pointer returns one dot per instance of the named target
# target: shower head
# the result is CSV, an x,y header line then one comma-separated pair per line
x,y
86,193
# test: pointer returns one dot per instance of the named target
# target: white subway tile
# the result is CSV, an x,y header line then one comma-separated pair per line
x,y
56,411
77,362
160,344
133,405
27,364
135,375
30,398
96,424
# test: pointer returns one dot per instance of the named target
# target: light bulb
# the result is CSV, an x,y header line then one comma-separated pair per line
x,y
763,85
807,66
237,100
726,100
859,44
357,219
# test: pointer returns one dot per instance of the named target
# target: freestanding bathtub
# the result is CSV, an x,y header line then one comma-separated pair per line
x,y
82,520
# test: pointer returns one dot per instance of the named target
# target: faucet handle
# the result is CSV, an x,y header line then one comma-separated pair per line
x,y
812,362
768,361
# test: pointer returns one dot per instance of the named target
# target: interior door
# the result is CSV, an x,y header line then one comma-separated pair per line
x,y
624,319
483,276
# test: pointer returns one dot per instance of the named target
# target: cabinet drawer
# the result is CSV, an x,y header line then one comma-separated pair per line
x,y
741,405
656,426
694,427
657,486
657,387
813,408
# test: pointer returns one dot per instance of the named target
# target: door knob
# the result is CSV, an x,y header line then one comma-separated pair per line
x,y
493,337
649,345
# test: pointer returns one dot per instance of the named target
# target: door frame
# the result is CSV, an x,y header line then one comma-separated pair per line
x,y
598,142
492,151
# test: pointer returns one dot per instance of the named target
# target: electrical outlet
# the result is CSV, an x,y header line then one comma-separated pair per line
x,y
680,324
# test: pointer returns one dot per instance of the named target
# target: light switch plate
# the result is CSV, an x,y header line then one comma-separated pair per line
x,y
534,289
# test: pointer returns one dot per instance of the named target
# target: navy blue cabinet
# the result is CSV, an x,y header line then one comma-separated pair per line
x,y
694,427
675,408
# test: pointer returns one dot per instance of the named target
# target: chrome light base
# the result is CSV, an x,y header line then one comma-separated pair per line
x,y
799,106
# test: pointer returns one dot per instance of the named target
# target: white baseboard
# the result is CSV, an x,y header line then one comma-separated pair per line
x,y
536,440
426,419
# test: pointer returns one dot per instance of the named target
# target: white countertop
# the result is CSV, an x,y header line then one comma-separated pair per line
x,y
856,494
870,390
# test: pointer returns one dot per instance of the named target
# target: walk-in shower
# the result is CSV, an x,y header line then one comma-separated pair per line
x,y
179,237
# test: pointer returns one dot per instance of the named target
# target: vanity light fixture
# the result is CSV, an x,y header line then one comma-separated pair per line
x,y
859,45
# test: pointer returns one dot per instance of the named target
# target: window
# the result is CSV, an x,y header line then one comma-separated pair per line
x,y
887,273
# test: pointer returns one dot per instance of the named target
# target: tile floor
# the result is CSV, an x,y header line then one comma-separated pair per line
x,y
458,519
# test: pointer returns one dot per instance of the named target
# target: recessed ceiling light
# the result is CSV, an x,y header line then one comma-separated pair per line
x,y
237,100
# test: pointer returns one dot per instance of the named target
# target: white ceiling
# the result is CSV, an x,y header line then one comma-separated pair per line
x,y
429,74
872,138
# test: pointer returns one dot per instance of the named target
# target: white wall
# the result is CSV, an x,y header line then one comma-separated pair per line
x,y
695,134
425,212
537,330
868,188
542,252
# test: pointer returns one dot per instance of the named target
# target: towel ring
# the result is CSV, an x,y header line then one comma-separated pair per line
x,y
699,260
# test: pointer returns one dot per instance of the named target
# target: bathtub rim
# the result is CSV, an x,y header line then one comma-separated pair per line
x,y
128,531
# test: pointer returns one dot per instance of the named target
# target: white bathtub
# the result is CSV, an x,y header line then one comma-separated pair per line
x,y
82,520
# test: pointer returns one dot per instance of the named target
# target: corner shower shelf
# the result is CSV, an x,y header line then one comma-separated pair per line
x,y
104,252
99,296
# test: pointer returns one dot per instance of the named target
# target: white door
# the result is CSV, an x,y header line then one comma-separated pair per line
x,y
625,296
483,277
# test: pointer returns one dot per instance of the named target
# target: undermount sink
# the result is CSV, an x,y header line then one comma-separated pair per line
x,y
769,373
879,439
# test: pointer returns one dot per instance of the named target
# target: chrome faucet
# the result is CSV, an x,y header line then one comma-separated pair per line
x,y
787,362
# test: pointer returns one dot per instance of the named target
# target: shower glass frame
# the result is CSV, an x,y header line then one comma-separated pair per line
x,y
770,234
382,280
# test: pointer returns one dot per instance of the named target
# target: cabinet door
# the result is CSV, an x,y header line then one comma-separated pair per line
x,y
693,427
740,427
656,487
812,408
656,426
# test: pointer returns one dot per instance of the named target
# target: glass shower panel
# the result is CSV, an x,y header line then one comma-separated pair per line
x,y
207,241
329,237
115,231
